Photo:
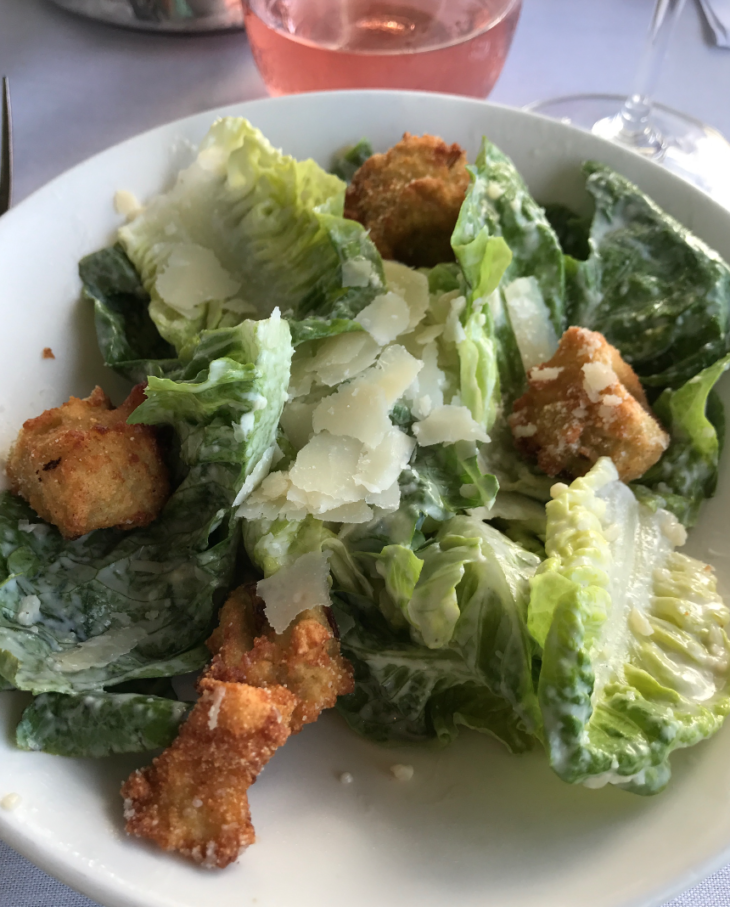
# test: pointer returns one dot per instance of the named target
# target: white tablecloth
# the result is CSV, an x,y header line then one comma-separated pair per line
x,y
79,87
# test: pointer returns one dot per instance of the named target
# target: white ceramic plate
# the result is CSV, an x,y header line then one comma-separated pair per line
x,y
475,826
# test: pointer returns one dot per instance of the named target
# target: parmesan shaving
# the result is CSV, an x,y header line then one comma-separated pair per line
x,y
127,204
343,357
378,468
448,424
596,377
385,318
294,589
192,276
101,650
410,285
358,272
530,320
358,410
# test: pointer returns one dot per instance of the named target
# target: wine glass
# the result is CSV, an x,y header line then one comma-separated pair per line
x,y
682,144
454,46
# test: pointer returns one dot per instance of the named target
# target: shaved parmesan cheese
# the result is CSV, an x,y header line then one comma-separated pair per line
x,y
448,424
327,465
427,391
387,501
454,330
296,420
358,410
127,204
394,372
358,272
385,318
409,285
301,377
294,589
192,276
100,651
379,467
343,357
426,335
530,319
275,486
547,373
357,512
596,377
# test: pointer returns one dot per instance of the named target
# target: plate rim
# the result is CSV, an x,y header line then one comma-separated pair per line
x,y
44,853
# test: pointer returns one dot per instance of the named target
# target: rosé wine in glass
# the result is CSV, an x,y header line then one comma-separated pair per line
x,y
453,46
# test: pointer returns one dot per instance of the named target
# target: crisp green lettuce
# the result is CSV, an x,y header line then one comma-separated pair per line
x,y
499,206
228,402
505,245
127,336
635,659
687,473
348,160
99,724
652,288
446,479
211,251
112,605
480,678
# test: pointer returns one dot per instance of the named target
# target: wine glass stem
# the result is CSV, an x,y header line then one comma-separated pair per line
x,y
637,108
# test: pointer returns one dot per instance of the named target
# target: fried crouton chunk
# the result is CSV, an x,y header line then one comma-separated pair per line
x,y
409,199
193,798
586,403
305,658
260,688
81,467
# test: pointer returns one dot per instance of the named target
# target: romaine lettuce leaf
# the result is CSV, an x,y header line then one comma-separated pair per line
x,y
112,605
652,288
481,678
446,479
128,339
687,471
211,251
499,205
99,724
635,659
347,161
227,404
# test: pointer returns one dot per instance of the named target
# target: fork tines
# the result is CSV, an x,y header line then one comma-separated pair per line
x,y
6,150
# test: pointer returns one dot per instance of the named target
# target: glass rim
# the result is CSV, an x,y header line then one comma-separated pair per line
x,y
509,8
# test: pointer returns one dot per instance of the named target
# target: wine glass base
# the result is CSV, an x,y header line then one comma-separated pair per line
x,y
682,144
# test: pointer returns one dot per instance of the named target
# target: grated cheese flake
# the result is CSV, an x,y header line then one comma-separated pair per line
x,y
410,285
447,425
357,410
596,377
191,276
385,318
296,588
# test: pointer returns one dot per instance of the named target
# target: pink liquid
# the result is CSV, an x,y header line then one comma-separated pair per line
x,y
454,46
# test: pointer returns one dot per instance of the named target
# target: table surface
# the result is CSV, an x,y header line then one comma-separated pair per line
x,y
62,116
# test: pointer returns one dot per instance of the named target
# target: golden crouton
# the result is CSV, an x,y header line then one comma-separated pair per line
x,y
261,687
586,403
409,199
81,467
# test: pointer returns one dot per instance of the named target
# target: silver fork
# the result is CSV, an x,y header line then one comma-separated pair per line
x,y
6,150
